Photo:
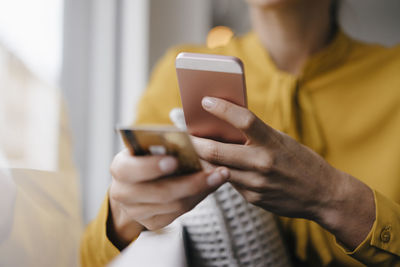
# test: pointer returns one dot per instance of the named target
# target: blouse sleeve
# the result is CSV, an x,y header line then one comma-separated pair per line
x,y
382,245
96,248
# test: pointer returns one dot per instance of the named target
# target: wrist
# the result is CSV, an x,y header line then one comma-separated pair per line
x,y
349,211
121,232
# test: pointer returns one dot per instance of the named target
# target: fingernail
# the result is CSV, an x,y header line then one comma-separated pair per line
x,y
168,164
208,102
215,179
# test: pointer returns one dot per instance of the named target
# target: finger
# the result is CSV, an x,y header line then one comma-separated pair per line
x,y
241,118
233,155
249,195
268,200
207,166
133,169
250,181
169,189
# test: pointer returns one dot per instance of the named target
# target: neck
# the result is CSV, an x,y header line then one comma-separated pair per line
x,y
291,34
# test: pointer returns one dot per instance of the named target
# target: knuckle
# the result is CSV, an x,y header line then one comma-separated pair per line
x,y
264,162
116,196
249,119
117,167
253,197
213,152
222,107
115,193
259,183
115,170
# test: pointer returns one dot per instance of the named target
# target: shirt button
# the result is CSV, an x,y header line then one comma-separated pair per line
x,y
385,234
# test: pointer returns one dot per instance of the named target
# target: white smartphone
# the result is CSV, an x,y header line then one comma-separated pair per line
x,y
201,75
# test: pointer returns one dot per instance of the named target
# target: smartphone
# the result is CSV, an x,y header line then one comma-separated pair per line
x,y
201,75
142,141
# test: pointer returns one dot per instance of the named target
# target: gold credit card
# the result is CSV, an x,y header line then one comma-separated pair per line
x,y
142,141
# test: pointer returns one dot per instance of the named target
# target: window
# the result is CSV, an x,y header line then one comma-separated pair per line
x,y
30,42
33,31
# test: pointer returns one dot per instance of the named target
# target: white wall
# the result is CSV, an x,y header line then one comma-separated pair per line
x,y
175,22
367,20
371,20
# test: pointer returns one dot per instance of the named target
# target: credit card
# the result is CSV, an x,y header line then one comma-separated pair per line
x,y
142,141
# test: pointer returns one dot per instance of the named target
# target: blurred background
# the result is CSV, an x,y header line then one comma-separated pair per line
x,y
95,57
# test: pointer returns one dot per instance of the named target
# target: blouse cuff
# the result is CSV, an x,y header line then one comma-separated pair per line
x,y
382,245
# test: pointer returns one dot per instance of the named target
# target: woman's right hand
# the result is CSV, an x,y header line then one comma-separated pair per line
x,y
145,195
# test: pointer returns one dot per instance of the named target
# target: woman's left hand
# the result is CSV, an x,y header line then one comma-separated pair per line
x,y
275,172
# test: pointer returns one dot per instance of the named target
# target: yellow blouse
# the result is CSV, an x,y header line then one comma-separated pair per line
x,y
345,105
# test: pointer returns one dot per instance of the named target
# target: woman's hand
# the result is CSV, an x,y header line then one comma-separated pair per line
x,y
144,194
277,173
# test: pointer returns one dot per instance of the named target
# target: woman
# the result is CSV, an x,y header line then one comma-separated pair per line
x,y
310,89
